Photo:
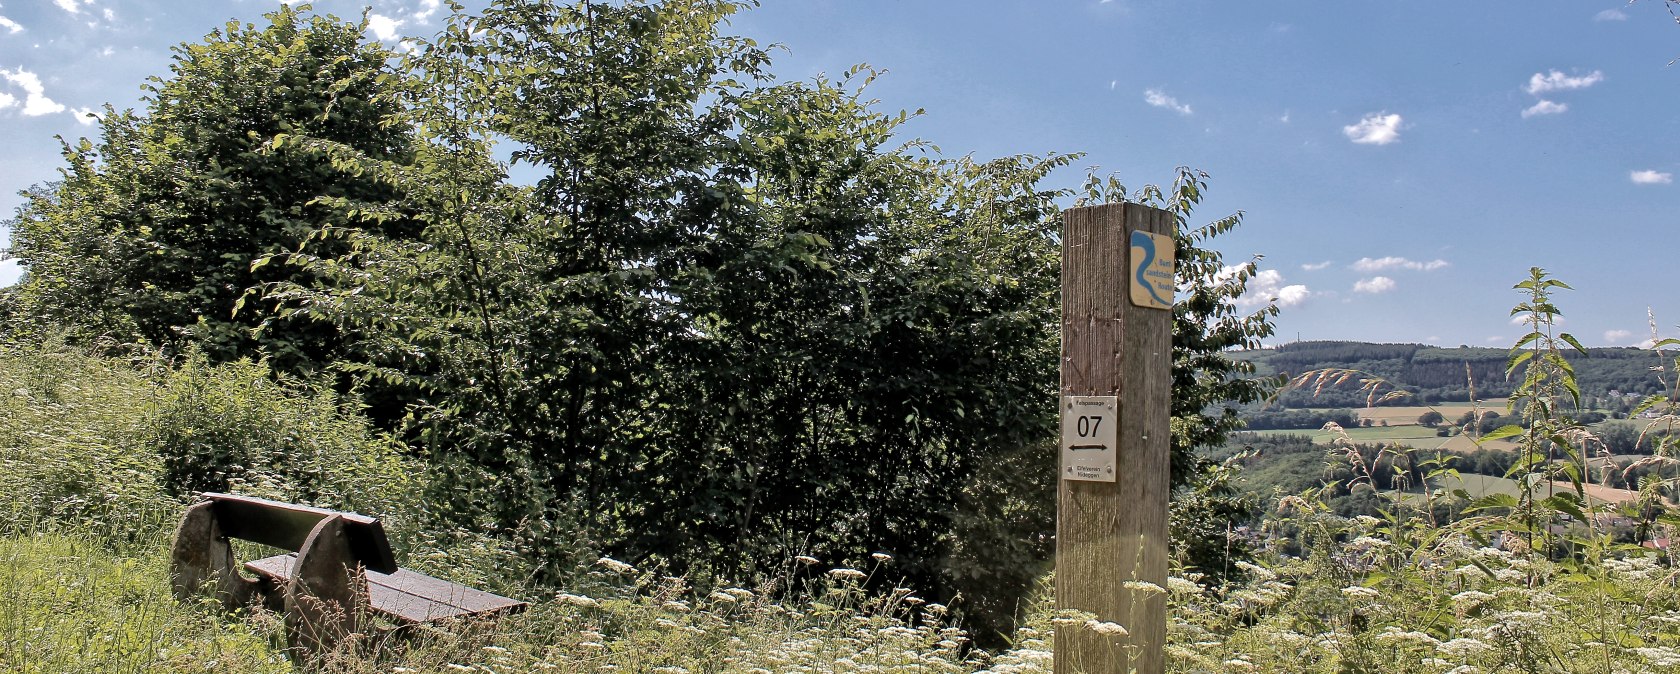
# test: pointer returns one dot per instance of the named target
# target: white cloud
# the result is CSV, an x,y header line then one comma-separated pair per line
x,y
35,102
1650,177
1160,99
11,26
1557,81
427,9
1285,117
1616,336
85,116
1366,264
110,15
1267,287
1315,266
1545,107
7,100
1377,128
1523,319
1611,15
69,6
1373,285
384,27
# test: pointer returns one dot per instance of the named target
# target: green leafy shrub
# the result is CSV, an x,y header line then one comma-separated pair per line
x,y
234,427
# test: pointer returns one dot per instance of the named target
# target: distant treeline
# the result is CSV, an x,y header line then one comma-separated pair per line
x,y
1432,375
1277,418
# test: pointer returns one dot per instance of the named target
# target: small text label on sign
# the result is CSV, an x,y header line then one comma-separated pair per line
x,y
1089,437
1152,270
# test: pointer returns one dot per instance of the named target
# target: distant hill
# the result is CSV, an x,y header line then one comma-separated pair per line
x,y
1609,377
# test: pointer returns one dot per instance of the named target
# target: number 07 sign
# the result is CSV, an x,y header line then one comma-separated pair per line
x,y
1089,437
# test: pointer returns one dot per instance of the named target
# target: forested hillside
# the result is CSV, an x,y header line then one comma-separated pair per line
x,y
1434,374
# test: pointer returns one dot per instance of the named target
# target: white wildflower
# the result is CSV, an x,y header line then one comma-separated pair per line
x,y
1106,628
880,556
1661,656
576,600
807,560
1463,647
1257,571
1183,586
1143,586
1367,543
615,566
846,574
1359,592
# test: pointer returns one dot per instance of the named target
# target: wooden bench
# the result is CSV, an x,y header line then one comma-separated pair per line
x,y
341,563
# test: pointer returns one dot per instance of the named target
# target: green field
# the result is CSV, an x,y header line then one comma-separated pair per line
x,y
1478,486
1400,416
1412,436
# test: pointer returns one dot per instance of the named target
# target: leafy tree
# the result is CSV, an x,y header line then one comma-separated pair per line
x,y
1431,419
728,324
152,231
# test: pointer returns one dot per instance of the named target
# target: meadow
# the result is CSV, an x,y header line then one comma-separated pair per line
x,y
84,586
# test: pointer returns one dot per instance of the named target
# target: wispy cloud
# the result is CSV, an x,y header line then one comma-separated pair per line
x,y
1366,264
1649,177
1315,266
1160,99
1617,336
1545,107
35,101
11,26
70,5
1557,81
1374,285
1377,128
1525,319
1611,15
426,10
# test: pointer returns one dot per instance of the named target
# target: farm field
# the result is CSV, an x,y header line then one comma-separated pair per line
x,y
1413,436
1478,486
1408,415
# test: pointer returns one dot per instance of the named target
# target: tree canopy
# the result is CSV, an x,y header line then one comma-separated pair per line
x,y
152,231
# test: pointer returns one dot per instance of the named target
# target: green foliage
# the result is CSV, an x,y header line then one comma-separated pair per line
x,y
233,427
728,324
151,234
110,448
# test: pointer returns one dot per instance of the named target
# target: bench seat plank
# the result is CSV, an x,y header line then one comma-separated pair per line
x,y
406,596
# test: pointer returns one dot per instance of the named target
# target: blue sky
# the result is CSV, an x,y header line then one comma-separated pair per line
x,y
1400,165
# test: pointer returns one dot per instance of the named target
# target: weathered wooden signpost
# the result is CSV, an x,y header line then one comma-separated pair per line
x,y
1111,505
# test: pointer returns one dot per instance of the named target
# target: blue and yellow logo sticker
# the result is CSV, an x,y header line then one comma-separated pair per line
x,y
1152,270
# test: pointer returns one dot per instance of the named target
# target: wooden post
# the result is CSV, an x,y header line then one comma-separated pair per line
x,y
1114,344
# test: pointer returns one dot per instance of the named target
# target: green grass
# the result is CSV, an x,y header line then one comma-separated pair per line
x,y
69,605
